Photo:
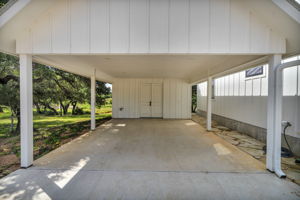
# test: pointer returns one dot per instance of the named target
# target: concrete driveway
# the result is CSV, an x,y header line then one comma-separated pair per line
x,y
147,159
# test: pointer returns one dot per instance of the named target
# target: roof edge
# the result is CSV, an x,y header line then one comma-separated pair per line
x,y
11,9
7,6
289,9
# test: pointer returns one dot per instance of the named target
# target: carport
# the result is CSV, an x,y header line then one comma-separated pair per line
x,y
153,52
147,159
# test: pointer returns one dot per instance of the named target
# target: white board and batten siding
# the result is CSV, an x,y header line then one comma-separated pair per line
x,y
177,99
176,96
245,99
125,98
149,26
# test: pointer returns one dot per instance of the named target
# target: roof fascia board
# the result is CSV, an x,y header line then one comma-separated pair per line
x,y
288,9
6,6
12,11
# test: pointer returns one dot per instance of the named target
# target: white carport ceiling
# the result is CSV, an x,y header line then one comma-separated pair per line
x,y
188,67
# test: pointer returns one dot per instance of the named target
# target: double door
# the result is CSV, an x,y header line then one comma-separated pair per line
x,y
151,100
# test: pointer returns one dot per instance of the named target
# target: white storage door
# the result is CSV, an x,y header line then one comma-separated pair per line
x,y
151,100
146,90
156,102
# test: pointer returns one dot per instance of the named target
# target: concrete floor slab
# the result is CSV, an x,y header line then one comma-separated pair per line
x,y
147,159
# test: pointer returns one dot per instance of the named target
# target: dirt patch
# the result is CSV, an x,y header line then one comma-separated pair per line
x,y
8,164
8,159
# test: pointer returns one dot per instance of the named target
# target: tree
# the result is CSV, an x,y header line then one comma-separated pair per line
x,y
194,98
45,90
51,87
74,87
9,87
10,98
102,93
60,88
3,2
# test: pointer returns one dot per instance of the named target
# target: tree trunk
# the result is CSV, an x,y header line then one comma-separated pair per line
x,y
38,108
60,110
11,123
194,108
65,107
74,107
18,123
18,115
1,110
52,109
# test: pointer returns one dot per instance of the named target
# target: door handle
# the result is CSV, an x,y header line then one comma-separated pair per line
x,y
150,103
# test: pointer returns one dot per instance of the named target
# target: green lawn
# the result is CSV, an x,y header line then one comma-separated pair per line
x,y
50,132
5,123
43,121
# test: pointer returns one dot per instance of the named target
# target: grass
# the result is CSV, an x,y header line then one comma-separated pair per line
x,y
5,123
52,121
43,121
50,132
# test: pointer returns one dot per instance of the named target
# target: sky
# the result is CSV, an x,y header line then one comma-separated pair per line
x,y
108,85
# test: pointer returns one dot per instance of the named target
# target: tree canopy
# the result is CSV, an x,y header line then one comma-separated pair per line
x,y
52,89
3,2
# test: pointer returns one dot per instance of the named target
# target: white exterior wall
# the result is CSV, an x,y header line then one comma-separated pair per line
x,y
245,99
149,26
176,98
253,110
126,95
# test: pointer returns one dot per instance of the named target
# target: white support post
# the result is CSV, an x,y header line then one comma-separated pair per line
x,y
278,123
26,110
208,108
275,113
274,116
273,61
93,101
